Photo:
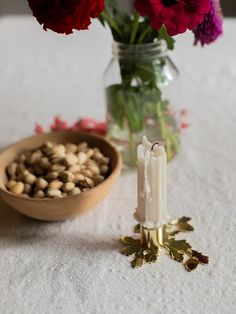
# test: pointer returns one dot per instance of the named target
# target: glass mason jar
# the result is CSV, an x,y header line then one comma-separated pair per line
x,y
137,84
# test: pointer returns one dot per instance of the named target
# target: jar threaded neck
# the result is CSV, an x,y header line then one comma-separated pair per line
x,y
139,51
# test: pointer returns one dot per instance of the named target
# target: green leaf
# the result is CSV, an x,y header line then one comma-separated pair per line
x,y
164,35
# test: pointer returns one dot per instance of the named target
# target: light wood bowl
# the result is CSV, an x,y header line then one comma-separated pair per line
x,y
59,208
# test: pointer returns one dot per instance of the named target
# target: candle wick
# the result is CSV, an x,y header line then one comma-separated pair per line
x,y
157,143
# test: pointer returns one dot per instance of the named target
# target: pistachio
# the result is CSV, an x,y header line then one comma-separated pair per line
x,y
22,158
75,191
44,163
58,168
38,170
10,184
54,193
71,159
55,159
30,178
17,188
51,176
98,156
34,157
104,169
105,160
94,169
98,179
68,186
20,169
82,157
78,177
82,147
87,183
89,153
39,194
41,184
74,169
71,148
59,150
11,169
66,176
87,173
55,185
27,188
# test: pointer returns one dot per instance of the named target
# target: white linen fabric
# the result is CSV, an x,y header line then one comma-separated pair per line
x,y
75,266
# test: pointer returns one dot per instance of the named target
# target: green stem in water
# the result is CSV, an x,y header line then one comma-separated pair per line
x,y
110,21
143,35
134,28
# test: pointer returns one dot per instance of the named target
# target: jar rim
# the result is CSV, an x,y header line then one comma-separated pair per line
x,y
153,49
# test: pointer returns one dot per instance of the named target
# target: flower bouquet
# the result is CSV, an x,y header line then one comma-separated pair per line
x,y
137,78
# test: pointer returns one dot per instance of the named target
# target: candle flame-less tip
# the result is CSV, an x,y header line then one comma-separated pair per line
x,y
159,150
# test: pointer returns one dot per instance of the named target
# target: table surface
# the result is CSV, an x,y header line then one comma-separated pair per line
x,y
75,266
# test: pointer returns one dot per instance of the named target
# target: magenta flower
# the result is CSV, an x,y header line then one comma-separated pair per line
x,y
211,27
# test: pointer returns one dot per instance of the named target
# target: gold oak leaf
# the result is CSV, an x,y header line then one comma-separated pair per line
x,y
203,259
191,264
152,256
173,233
130,241
175,254
137,262
128,250
181,245
180,220
137,228
184,219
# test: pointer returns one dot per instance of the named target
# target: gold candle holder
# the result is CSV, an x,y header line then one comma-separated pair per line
x,y
146,248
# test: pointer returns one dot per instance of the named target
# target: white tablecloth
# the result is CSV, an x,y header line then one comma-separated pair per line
x,y
75,266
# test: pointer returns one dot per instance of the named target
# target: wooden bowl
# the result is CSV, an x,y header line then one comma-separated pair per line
x,y
59,208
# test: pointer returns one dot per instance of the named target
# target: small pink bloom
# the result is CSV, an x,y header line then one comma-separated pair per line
x,y
59,125
101,128
184,125
183,112
39,129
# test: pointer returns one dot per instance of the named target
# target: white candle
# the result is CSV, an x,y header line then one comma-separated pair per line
x,y
152,185
140,211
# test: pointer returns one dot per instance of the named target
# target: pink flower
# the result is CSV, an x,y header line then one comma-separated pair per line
x,y
39,129
211,27
176,15
59,125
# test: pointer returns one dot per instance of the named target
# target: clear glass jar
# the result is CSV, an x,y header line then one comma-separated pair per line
x,y
137,83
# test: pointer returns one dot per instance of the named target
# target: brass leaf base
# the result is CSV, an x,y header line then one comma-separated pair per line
x,y
147,248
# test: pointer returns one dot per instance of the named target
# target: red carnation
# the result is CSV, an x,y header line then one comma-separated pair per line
x,y
176,15
62,16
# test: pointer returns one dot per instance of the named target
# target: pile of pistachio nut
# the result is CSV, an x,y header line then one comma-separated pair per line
x,y
57,170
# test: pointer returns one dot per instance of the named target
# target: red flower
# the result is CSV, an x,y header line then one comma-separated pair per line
x,y
176,15
62,16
